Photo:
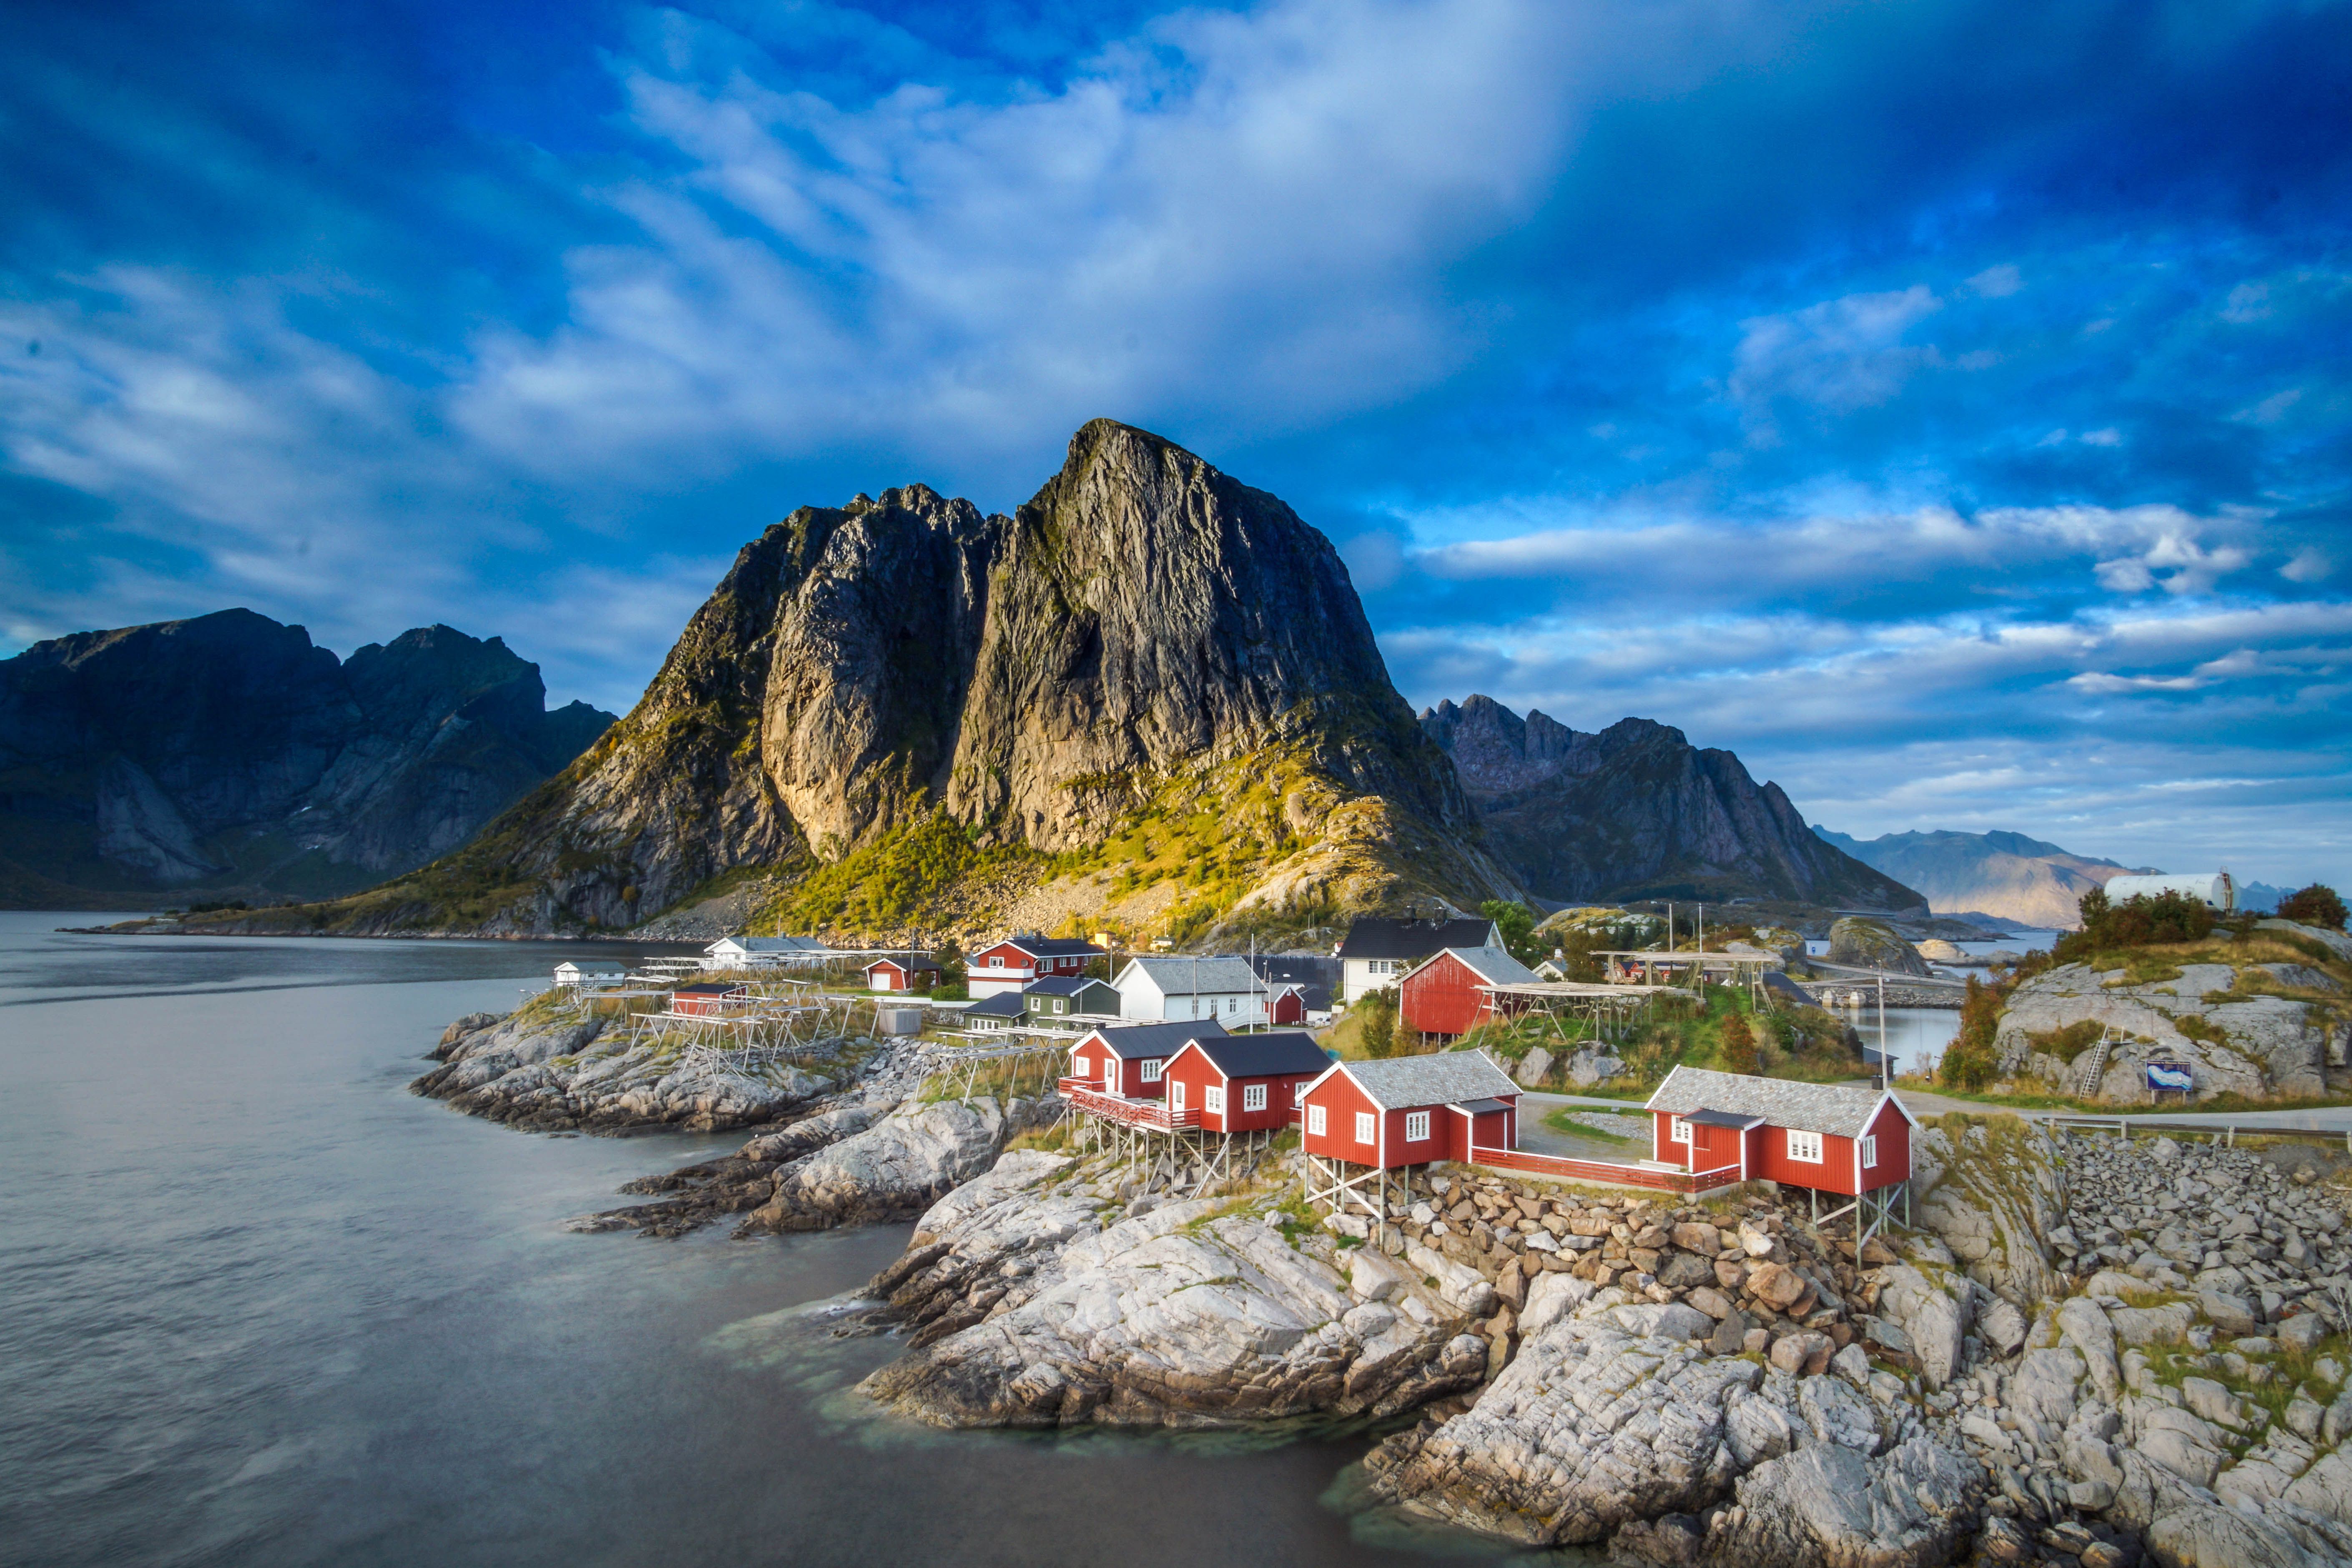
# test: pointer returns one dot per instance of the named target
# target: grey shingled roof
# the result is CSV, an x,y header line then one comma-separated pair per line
x,y
1493,965
1380,936
1003,1004
1131,1040
1199,976
1282,1052
1445,1079
1829,1108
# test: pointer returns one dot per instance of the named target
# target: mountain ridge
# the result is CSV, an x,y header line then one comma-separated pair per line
x,y
225,755
1148,696
1998,873
1636,811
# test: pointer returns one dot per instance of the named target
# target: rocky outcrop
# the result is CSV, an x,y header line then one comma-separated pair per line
x,y
2005,875
1867,943
226,757
1145,633
1993,1190
1035,1301
896,1168
2208,1016
555,1066
1637,812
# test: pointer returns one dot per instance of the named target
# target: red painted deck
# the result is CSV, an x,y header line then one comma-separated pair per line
x,y
1133,1112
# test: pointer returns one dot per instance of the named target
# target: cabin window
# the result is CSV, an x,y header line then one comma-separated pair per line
x,y
1363,1127
1416,1126
1314,1119
1298,1094
1805,1146
1152,1066
1869,1153
1212,1100
1253,1097
1677,1130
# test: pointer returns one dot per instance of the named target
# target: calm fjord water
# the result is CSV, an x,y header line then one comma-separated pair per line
x,y
258,1304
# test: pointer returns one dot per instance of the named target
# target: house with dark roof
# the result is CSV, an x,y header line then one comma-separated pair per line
x,y
1243,1083
1068,999
1001,1011
1379,951
1128,1060
1833,1138
1450,992
1410,1110
903,972
1025,956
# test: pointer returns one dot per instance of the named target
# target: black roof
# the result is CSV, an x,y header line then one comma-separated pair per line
x,y
1296,968
1314,998
1375,936
1049,946
1127,1040
706,988
1283,1051
906,961
1481,1107
1722,1119
1062,985
1003,1004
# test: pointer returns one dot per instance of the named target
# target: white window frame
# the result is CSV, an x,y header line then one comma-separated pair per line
x,y
1152,1067
1416,1126
1678,1130
1212,1099
1869,1151
1253,1097
1298,1093
1175,1094
1804,1148
1314,1119
1367,1127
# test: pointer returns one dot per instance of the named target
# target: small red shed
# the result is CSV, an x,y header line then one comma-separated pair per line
x,y
1444,992
1243,1083
1013,963
708,998
903,972
1410,1110
1129,1059
1826,1136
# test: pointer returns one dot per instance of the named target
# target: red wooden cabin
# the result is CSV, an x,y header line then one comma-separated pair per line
x,y
1129,1059
1410,1110
1828,1137
1243,1083
905,971
1013,963
1443,995
708,998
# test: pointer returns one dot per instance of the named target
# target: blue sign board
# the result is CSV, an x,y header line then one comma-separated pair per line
x,y
2167,1075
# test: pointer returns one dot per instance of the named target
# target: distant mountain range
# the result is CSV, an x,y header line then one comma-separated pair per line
x,y
1637,812
226,757
2006,875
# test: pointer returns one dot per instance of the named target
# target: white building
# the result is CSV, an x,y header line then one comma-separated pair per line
x,y
762,951
590,976
2212,889
1165,986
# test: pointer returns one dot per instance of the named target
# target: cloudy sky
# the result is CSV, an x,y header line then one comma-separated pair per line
x,y
1945,405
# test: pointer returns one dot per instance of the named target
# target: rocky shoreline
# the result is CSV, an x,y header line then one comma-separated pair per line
x,y
2089,1352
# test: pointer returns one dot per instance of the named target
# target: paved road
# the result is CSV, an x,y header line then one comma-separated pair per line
x,y
2333,1119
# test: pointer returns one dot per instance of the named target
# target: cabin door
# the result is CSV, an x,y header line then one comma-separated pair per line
x,y
1175,1094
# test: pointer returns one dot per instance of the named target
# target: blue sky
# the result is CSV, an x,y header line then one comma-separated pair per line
x,y
1946,406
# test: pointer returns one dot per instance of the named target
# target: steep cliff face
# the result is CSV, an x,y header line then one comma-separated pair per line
x,y
2004,874
1637,812
898,693
226,755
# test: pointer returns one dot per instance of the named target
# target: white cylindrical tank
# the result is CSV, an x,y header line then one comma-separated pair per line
x,y
2213,889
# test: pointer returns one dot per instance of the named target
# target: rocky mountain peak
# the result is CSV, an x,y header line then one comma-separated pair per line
x,y
1141,622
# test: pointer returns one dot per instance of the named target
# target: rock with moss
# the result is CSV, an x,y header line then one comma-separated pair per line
x,y
2235,1040
1993,1190
1868,944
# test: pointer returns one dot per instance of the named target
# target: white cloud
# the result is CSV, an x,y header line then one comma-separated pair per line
x,y
1997,283
1840,355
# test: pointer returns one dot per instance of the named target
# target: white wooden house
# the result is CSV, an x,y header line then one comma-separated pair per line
x,y
590,975
762,951
1168,987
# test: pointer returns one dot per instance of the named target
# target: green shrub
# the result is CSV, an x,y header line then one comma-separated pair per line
x,y
1969,1060
2316,905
